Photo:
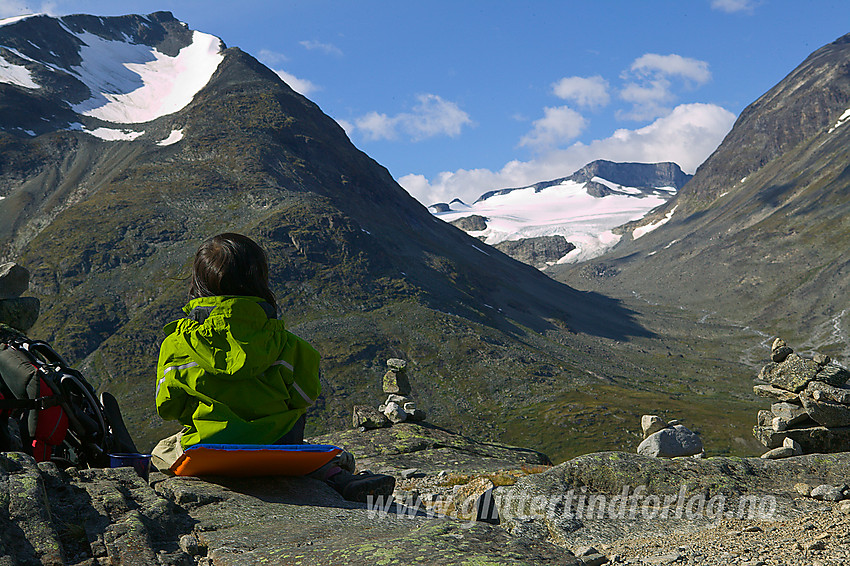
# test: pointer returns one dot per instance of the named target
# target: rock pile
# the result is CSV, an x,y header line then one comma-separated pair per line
x,y
667,440
18,312
397,408
811,404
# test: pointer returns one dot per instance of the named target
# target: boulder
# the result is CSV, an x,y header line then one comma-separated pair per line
x,y
14,280
833,375
813,440
670,443
368,418
779,356
775,393
395,413
821,391
828,493
793,374
826,413
789,448
19,313
651,424
789,413
395,380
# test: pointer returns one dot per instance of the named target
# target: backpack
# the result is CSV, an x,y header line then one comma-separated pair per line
x,y
50,411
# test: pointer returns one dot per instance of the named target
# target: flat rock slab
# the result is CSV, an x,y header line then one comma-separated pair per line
x,y
430,449
607,487
241,522
813,440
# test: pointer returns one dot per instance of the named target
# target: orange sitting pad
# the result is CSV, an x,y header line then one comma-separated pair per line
x,y
253,459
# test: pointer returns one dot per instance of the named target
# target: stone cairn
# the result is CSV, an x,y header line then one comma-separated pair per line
x,y
18,312
810,413
662,439
398,407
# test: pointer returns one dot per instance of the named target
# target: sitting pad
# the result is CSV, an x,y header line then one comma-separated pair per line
x,y
253,459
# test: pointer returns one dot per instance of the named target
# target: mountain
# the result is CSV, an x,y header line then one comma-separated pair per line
x,y
108,191
759,235
568,219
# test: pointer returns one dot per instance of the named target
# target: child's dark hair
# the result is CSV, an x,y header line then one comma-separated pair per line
x,y
231,264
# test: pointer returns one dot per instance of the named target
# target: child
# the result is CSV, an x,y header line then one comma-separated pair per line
x,y
231,373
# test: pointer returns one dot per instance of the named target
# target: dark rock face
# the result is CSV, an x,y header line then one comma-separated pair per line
x,y
472,223
538,252
637,175
646,176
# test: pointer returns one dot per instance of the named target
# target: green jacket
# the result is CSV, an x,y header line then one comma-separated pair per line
x,y
235,377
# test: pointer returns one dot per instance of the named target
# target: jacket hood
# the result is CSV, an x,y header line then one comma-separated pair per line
x,y
231,336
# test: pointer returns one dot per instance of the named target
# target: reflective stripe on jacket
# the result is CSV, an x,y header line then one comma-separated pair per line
x,y
236,377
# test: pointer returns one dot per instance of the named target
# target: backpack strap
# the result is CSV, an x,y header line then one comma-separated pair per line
x,y
38,404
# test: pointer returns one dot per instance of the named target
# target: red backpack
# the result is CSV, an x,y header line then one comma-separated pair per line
x,y
49,410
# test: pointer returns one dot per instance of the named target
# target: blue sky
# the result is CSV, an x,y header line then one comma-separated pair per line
x,y
459,97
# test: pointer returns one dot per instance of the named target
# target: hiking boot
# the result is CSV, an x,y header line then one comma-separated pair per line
x,y
345,460
357,487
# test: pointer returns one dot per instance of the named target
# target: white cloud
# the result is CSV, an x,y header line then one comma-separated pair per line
x,y
301,86
686,136
11,8
651,89
730,6
328,48
431,117
590,92
271,58
558,125
652,64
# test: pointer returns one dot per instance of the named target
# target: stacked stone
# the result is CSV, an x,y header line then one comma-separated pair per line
x,y
397,408
18,312
810,413
663,439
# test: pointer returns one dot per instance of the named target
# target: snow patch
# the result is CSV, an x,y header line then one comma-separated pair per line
x,y
134,83
107,134
559,210
479,249
174,137
16,75
841,120
643,230
13,19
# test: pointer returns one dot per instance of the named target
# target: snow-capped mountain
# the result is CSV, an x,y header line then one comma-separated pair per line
x,y
106,78
584,208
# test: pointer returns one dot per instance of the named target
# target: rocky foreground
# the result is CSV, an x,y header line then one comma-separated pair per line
x,y
679,511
